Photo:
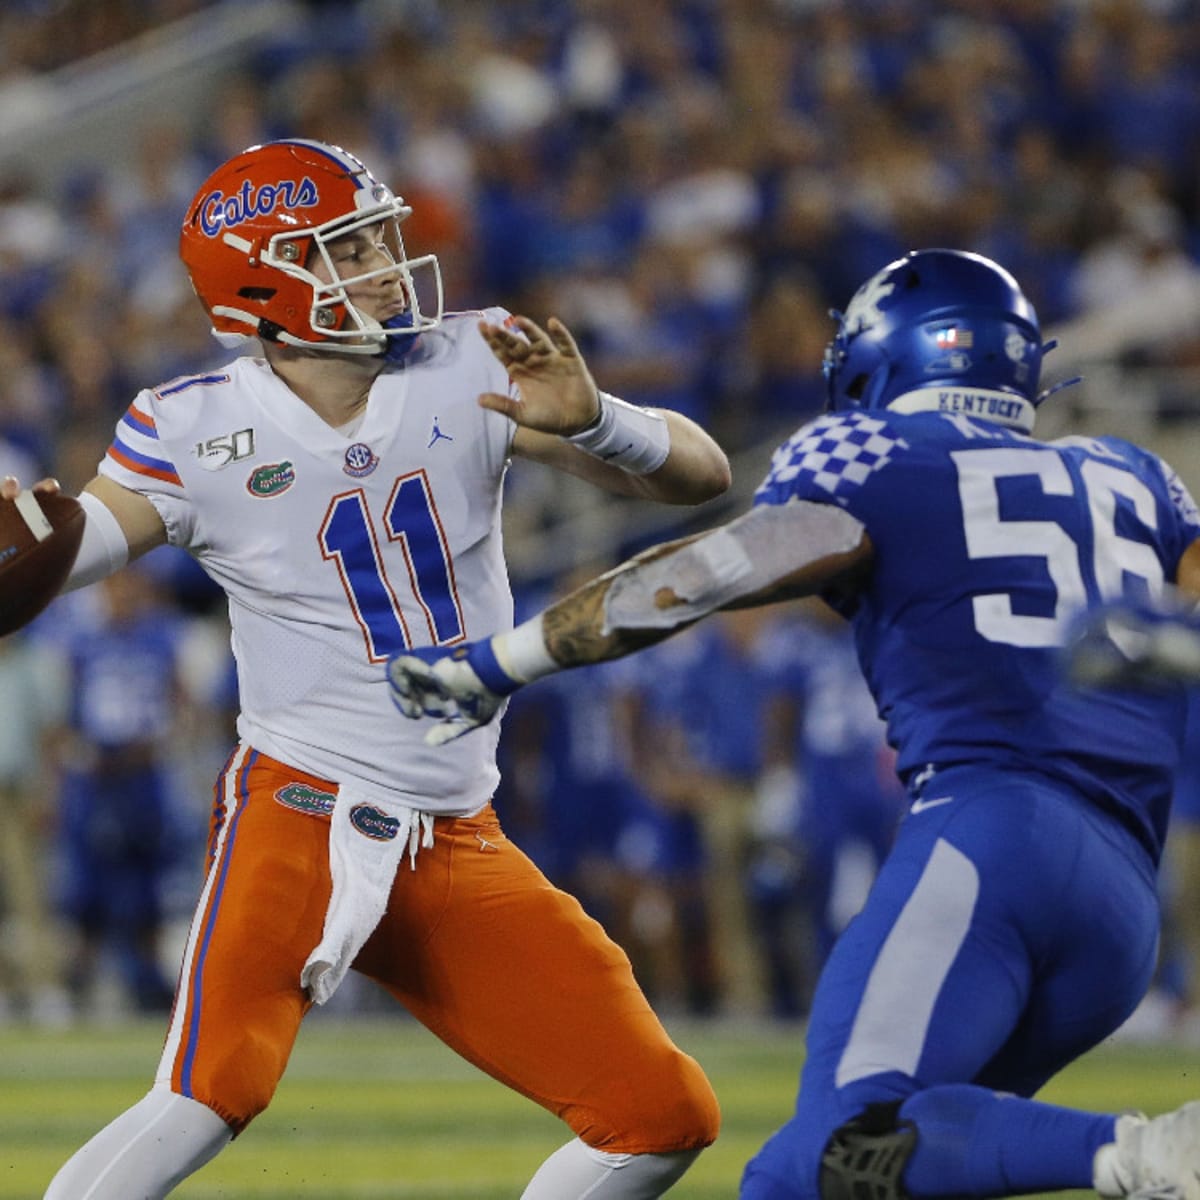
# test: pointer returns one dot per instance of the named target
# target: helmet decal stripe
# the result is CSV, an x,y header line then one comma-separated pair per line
x,y
352,165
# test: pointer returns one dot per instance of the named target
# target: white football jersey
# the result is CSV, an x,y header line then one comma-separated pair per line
x,y
335,551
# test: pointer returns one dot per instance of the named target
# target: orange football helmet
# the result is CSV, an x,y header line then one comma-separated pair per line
x,y
252,231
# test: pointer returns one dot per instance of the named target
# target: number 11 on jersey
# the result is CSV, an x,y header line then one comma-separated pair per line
x,y
415,538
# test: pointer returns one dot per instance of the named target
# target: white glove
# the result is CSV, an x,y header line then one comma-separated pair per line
x,y
1128,645
431,682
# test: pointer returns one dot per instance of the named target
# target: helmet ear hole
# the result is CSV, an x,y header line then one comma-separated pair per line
x,y
856,387
259,294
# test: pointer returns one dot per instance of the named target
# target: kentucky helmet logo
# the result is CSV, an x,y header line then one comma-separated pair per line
x,y
219,211
863,310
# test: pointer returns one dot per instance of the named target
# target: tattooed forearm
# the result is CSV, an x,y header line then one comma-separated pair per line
x,y
763,557
573,628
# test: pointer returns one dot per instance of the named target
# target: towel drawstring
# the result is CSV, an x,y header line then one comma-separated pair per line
x,y
420,834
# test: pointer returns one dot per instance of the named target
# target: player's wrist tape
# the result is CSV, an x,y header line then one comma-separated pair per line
x,y
633,438
508,660
103,549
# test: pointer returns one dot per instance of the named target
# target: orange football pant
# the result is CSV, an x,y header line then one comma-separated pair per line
x,y
476,943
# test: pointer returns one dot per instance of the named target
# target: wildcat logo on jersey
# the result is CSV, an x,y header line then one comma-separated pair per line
x,y
1185,506
360,460
372,823
271,480
218,452
305,798
220,211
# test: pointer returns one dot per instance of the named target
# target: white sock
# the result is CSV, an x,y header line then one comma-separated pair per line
x,y
145,1152
577,1172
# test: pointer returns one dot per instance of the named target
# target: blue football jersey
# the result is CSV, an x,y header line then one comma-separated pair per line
x,y
986,541
123,681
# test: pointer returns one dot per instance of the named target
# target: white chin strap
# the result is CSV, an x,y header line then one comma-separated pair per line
x,y
1001,407
372,343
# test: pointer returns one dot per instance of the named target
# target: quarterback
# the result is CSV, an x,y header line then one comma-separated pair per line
x,y
345,490
1014,925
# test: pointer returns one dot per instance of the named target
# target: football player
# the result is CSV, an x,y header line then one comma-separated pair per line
x,y
344,489
1014,925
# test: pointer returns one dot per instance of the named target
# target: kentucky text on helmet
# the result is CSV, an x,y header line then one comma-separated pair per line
x,y
979,404
219,210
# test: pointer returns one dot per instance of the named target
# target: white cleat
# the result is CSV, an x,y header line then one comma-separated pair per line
x,y
1156,1159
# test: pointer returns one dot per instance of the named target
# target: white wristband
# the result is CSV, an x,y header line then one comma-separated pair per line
x,y
103,550
522,652
629,437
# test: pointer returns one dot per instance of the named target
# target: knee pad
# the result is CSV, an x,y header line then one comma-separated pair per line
x,y
865,1157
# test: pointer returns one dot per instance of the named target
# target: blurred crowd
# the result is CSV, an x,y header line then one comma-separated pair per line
x,y
691,185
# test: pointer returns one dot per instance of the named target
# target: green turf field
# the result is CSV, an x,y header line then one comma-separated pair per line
x,y
377,1108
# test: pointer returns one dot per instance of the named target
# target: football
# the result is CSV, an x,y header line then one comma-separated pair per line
x,y
39,539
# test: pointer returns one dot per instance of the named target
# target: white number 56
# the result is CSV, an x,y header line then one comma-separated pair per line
x,y
988,535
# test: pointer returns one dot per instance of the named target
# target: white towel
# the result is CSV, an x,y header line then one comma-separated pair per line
x,y
366,842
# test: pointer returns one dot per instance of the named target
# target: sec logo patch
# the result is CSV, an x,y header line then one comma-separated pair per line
x,y
360,460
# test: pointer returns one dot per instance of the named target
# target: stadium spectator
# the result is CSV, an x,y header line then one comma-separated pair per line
x,y
116,820
827,103
1137,290
663,852
32,693
567,791
1015,923
700,756
344,489
820,847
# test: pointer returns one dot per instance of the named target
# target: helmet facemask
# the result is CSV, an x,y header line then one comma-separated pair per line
x,y
334,315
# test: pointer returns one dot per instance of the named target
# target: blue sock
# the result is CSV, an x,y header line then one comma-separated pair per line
x,y
972,1141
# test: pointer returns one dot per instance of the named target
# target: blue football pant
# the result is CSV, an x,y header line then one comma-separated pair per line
x,y
1012,928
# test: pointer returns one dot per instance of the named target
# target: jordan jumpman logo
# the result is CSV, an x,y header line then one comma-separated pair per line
x,y
438,435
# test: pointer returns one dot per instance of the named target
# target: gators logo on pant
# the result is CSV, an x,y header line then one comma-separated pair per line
x,y
372,823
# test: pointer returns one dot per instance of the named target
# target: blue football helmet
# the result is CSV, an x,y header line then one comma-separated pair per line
x,y
940,331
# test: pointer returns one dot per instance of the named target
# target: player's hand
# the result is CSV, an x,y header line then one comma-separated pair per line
x,y
10,487
1134,645
558,394
432,682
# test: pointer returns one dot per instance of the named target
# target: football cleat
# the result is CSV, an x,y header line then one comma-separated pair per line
x,y
1152,1159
